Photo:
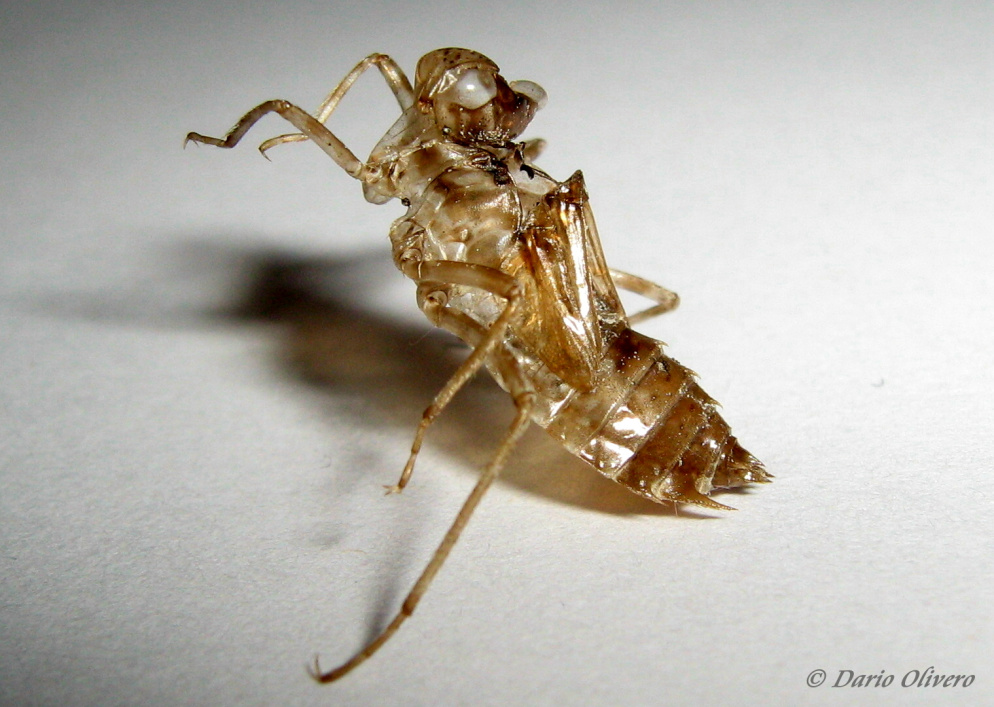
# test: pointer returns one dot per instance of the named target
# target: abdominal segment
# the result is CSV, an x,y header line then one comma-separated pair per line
x,y
650,427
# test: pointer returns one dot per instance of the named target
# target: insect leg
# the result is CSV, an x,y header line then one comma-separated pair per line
x,y
489,279
392,74
489,343
307,124
473,333
667,299
533,148
421,586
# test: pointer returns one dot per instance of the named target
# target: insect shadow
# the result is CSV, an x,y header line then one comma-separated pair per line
x,y
332,339
393,367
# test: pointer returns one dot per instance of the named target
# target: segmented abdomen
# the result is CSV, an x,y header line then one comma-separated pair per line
x,y
647,425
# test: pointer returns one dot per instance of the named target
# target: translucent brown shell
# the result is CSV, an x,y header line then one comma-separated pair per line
x,y
509,260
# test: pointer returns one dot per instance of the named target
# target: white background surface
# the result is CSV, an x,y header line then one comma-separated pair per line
x,y
191,492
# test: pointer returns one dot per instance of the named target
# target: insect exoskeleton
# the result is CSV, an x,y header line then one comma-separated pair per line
x,y
662,436
509,260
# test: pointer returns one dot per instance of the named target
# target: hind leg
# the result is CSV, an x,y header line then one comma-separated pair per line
x,y
667,299
489,342
421,586
434,276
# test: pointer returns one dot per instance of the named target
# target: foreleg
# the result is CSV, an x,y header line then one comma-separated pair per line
x,y
307,124
392,74
667,300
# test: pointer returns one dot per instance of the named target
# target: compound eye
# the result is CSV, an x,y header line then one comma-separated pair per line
x,y
472,89
532,91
